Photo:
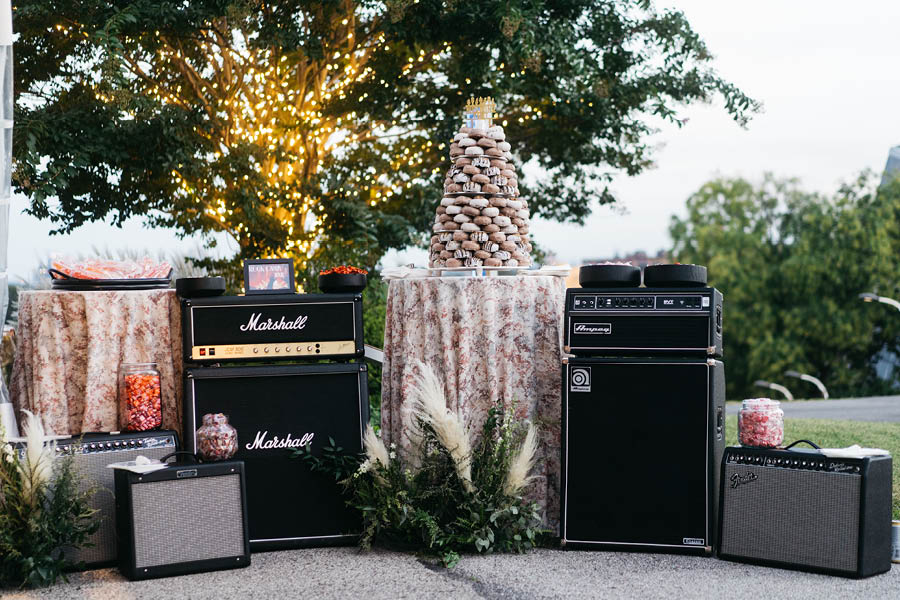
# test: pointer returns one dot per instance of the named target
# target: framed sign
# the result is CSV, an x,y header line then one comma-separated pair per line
x,y
269,276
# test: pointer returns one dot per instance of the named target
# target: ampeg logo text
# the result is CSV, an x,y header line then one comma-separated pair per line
x,y
694,541
593,328
581,379
737,479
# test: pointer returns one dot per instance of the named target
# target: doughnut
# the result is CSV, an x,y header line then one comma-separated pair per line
x,y
496,179
516,204
496,133
460,201
470,227
498,202
519,256
523,229
482,254
490,246
511,263
451,246
508,156
508,212
454,187
446,254
487,142
472,187
509,228
479,236
518,222
460,236
453,209
466,142
503,146
461,218
461,253
493,152
478,202
447,200
450,226
513,238
437,247
498,162
492,171
509,173
475,132
444,218
522,213
441,210
471,170
492,228
492,262
460,178
462,161
476,151
502,255
482,221
470,211
458,137
490,211
480,178
480,161
501,220
473,262
453,262
498,237
507,245
470,245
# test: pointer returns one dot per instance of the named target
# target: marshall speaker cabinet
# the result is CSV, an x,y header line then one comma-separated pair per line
x,y
186,518
801,509
276,410
641,442
91,453
272,328
643,322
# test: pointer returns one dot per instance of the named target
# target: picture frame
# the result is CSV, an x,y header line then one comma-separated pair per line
x,y
269,276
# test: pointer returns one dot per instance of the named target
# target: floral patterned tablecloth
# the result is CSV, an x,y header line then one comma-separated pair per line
x,y
69,348
489,339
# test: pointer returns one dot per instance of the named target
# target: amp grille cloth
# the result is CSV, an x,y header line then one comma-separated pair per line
x,y
184,520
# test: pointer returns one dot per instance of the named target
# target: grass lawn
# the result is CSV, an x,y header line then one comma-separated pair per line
x,y
838,434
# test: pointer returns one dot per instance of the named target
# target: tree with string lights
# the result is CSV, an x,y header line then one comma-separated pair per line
x,y
317,129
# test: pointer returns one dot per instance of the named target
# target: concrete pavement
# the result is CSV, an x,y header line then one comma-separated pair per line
x,y
347,573
876,408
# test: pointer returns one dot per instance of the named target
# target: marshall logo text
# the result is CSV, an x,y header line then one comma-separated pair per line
x,y
593,328
254,324
737,479
261,443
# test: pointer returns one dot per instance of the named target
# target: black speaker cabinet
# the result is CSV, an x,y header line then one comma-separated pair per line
x,y
641,444
91,453
275,410
186,518
800,509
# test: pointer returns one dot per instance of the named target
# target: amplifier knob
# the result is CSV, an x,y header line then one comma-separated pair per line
x,y
131,443
287,348
277,349
116,444
310,348
256,351
93,446
108,445
266,349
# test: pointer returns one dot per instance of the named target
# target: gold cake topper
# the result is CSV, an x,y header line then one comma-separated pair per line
x,y
479,112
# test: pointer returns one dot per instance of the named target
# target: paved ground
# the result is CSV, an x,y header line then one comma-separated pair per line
x,y
345,573
877,408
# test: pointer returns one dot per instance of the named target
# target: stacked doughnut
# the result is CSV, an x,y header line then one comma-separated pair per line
x,y
481,221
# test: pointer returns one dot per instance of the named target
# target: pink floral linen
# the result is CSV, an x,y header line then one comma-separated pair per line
x,y
70,346
489,339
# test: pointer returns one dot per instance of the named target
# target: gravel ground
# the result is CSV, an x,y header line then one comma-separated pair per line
x,y
345,573
876,408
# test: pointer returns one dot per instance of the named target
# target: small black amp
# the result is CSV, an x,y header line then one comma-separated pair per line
x,y
801,509
91,452
643,322
272,328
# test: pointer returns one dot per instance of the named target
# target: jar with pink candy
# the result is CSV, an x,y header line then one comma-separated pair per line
x,y
216,439
761,423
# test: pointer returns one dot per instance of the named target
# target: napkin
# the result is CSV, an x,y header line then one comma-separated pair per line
x,y
854,451
139,465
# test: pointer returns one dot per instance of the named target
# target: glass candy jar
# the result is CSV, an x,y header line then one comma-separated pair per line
x,y
140,400
761,423
216,439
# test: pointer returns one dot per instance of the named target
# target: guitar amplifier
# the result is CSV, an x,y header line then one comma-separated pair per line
x,y
92,452
276,410
642,442
272,327
186,518
643,321
801,509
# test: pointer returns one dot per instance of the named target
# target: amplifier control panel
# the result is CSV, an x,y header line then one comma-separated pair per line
x,y
272,350
791,459
639,302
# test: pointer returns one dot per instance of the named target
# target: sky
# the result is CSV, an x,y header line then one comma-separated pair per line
x,y
827,74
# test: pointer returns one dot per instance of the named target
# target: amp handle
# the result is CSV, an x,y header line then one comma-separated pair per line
x,y
788,447
177,453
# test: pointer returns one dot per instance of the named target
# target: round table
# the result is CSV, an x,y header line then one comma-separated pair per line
x,y
69,346
489,339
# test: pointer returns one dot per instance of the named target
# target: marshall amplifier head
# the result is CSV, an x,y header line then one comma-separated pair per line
x,y
277,410
186,518
643,322
91,453
271,328
800,509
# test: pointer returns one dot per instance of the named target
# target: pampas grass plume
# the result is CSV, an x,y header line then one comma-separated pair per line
x,y
518,476
37,470
375,448
429,403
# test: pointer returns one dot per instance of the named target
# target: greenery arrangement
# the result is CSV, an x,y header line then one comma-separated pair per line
x,y
792,265
297,127
42,510
447,493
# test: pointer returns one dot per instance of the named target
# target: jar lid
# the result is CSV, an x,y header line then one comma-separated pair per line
x,y
149,365
760,403
214,419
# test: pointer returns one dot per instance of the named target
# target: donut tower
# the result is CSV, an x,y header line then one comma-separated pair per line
x,y
481,221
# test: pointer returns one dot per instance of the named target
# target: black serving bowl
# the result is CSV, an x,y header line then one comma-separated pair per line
x,y
346,283
675,275
602,276
199,287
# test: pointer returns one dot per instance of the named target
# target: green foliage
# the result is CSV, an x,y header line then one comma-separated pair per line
x,y
35,526
791,265
839,434
296,126
421,504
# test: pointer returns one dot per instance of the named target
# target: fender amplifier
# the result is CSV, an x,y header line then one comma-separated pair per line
x,y
271,328
275,410
801,509
186,518
92,452
643,321
642,442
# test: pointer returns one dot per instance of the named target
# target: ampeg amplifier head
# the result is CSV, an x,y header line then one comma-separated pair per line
x,y
272,327
643,321
802,509
91,453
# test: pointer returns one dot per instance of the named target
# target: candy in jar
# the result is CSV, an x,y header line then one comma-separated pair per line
x,y
761,423
216,439
140,402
